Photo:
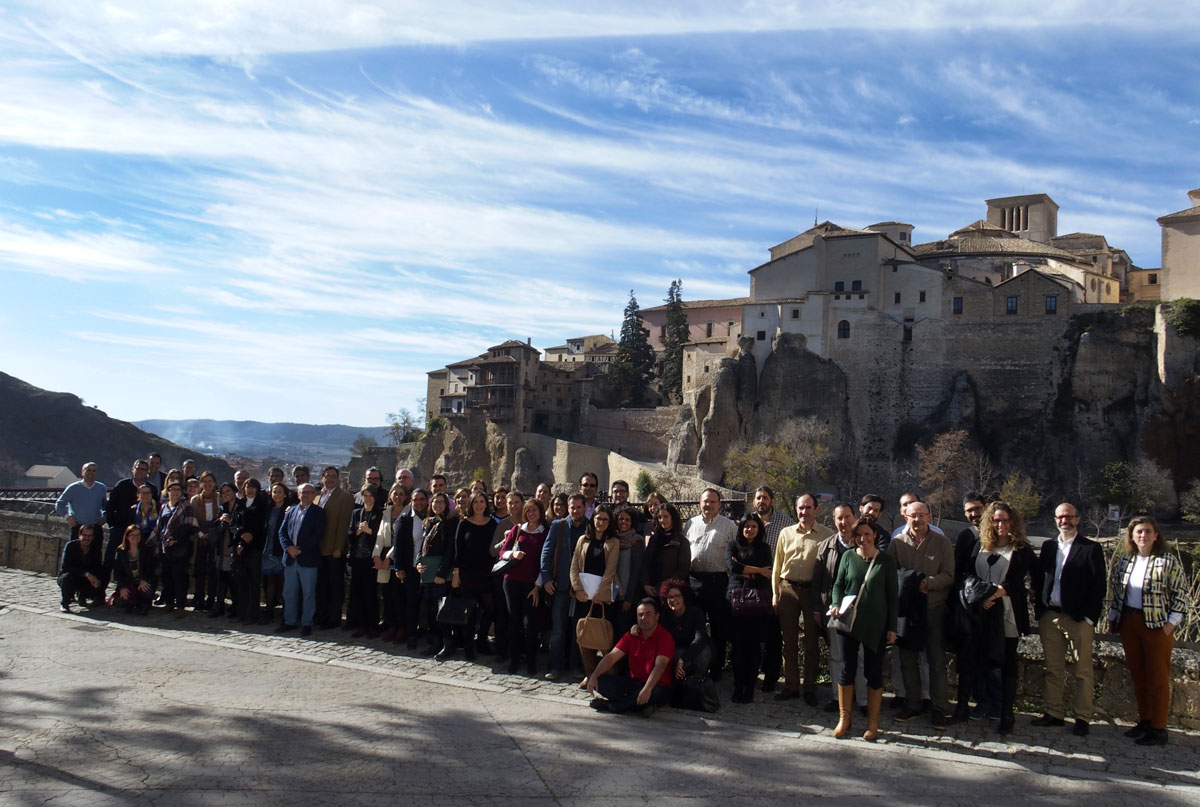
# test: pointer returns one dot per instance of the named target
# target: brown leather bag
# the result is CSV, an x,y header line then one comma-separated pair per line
x,y
594,632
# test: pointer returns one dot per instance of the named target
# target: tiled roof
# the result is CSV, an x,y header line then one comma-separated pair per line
x,y
981,238
1181,215
688,305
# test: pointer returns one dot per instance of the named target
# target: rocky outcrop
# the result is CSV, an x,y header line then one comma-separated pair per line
x,y
683,441
1055,399
526,472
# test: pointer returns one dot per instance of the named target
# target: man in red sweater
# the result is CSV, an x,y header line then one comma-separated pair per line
x,y
648,685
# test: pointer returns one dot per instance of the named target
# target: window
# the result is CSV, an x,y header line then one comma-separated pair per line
x,y
1051,304
843,330
838,296
839,285
908,325
689,379
706,368
958,305
922,296
1152,279
897,298
856,285
1011,305
762,336
862,296
795,313
662,332
708,330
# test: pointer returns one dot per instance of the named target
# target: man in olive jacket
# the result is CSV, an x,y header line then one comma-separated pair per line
x,y
338,505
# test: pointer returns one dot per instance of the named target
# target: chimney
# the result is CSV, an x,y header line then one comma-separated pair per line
x,y
1195,197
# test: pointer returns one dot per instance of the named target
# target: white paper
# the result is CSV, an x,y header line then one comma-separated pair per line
x,y
847,603
591,584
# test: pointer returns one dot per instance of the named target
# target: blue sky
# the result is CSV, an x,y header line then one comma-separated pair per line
x,y
293,210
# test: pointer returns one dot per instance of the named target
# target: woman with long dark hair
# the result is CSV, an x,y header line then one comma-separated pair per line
x,y
134,569
593,574
433,565
363,611
471,575
668,555
272,567
248,536
749,562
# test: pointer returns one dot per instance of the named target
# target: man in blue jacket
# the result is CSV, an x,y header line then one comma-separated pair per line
x,y
556,579
300,534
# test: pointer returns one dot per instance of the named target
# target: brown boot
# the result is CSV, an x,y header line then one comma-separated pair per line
x,y
845,711
874,701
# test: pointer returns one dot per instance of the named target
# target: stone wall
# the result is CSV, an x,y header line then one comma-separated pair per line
x,y
32,542
638,433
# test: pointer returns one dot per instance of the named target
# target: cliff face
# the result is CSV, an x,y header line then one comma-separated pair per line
x,y
55,428
1055,400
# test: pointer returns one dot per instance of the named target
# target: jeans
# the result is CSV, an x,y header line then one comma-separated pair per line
x,y
299,582
711,597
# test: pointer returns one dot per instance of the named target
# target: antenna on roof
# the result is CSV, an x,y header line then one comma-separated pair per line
x,y
816,214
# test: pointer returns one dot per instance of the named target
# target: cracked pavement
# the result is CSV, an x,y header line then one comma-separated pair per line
x,y
102,708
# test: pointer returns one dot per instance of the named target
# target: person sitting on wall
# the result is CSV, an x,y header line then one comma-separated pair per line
x,y
648,684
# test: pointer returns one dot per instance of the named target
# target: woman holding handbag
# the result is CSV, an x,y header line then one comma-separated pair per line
x,y
865,605
593,575
749,593
433,565
523,544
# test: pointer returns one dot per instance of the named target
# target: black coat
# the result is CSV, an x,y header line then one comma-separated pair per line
x,y
147,567
1083,587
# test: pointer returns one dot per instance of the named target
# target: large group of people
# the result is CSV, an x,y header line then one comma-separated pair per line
x,y
644,607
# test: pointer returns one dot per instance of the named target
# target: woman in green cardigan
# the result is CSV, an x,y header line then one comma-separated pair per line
x,y
866,584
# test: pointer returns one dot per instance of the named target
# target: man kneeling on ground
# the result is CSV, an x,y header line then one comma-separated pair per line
x,y
648,685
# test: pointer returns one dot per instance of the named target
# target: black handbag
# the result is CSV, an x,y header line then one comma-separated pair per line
x,y
749,600
455,609
698,693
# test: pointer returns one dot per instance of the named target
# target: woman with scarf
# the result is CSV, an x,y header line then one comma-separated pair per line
x,y
629,567
175,534
207,507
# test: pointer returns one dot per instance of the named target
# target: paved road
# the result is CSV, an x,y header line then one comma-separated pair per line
x,y
102,709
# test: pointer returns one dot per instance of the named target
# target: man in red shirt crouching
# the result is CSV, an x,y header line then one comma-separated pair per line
x,y
650,652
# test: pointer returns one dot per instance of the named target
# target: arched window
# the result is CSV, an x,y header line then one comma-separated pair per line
x,y
844,330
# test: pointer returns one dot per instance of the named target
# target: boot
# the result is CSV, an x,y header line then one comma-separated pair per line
x,y
845,710
874,701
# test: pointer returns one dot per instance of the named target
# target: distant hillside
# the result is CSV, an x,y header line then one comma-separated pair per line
x,y
55,428
297,442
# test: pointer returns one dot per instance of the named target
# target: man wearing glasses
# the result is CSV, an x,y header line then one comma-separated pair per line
x,y
1068,585
589,485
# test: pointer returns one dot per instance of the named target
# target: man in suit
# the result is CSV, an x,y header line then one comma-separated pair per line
x,y
1068,583
300,534
338,505
406,544
121,499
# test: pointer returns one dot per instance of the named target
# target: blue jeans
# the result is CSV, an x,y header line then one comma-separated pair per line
x,y
299,581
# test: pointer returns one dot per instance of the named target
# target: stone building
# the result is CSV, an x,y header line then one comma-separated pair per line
x,y
597,349
1181,251
707,319
500,383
